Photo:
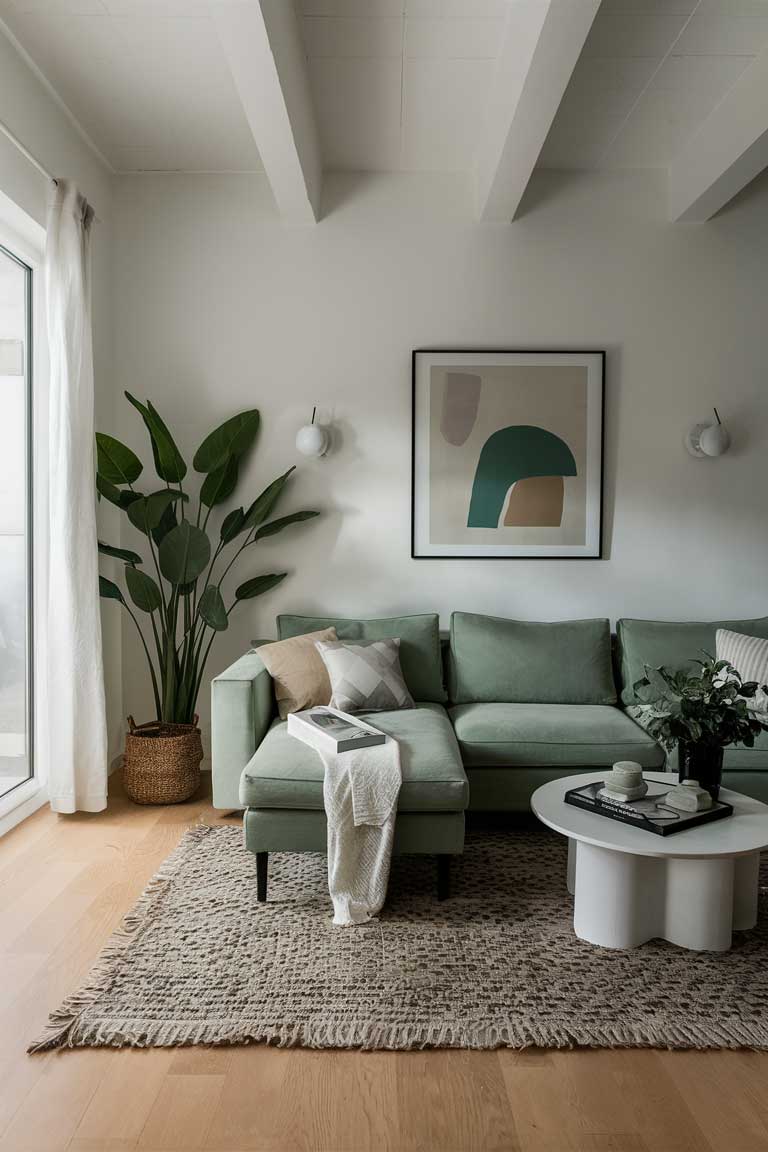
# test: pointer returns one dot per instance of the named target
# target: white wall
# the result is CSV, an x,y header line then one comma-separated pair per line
x,y
218,307
32,114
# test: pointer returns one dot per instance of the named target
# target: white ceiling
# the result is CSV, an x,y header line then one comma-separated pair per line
x,y
396,84
401,84
650,73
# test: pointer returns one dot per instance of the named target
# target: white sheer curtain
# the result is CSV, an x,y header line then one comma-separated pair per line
x,y
77,774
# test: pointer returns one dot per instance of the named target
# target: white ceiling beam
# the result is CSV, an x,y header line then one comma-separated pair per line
x,y
727,151
543,41
263,46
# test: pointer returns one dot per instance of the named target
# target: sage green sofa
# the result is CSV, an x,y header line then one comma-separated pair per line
x,y
502,707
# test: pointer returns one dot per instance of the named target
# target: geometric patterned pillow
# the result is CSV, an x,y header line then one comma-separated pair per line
x,y
749,656
365,675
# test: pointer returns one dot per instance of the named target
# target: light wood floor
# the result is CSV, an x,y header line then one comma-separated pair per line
x,y
65,883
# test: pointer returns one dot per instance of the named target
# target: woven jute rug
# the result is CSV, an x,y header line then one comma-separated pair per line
x,y
199,961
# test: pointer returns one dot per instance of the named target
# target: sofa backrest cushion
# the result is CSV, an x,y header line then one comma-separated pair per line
x,y
494,660
419,636
675,644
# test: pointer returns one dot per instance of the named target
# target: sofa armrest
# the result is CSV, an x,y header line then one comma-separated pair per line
x,y
242,707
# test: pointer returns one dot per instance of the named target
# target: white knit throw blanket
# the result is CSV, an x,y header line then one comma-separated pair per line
x,y
360,793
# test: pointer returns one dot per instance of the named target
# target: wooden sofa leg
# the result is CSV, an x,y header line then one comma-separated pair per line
x,y
262,862
443,877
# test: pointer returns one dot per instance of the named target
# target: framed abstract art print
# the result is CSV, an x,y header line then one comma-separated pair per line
x,y
507,455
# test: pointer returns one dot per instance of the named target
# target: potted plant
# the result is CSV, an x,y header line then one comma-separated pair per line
x,y
700,712
180,600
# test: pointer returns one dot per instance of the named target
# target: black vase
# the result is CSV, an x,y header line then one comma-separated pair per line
x,y
702,762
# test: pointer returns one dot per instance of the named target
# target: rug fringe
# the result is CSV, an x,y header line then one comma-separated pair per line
x,y
365,1036
397,1037
61,1029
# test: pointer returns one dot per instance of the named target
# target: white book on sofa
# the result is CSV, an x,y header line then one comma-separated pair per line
x,y
331,731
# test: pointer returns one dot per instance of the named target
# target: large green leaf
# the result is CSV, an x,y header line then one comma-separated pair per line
x,y
232,439
169,456
277,525
263,504
109,590
167,521
218,486
121,497
115,461
143,590
258,585
232,525
119,553
107,489
146,514
212,610
169,463
184,553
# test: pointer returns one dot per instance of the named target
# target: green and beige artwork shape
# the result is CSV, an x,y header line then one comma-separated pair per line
x,y
507,456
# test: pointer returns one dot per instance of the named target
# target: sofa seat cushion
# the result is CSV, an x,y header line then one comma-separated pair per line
x,y
739,758
285,773
550,735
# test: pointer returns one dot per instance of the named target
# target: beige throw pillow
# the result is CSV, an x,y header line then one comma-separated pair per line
x,y
297,668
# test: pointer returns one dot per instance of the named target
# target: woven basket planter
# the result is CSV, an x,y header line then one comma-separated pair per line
x,y
162,762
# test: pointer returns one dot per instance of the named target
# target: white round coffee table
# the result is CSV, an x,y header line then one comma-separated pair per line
x,y
692,888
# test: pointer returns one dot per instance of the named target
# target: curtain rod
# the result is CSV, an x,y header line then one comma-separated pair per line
x,y
26,153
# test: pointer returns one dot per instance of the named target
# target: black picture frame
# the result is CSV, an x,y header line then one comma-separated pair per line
x,y
597,352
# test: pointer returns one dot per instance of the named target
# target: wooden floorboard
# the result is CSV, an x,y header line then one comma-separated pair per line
x,y
65,884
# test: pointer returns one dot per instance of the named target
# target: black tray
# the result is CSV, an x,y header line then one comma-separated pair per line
x,y
642,813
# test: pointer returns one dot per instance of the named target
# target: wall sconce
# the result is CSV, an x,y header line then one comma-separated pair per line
x,y
313,439
708,439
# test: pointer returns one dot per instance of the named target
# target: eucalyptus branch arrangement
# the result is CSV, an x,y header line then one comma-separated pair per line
x,y
709,706
183,604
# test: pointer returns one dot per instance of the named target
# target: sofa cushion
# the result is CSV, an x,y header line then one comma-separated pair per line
x,y
285,773
674,644
739,758
515,661
365,676
550,735
749,656
420,656
298,671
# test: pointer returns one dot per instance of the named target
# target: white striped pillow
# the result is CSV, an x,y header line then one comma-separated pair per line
x,y
749,656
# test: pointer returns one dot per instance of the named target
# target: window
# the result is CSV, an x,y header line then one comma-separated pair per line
x,y
16,726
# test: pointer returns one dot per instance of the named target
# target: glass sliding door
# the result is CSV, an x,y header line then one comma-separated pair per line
x,y
16,763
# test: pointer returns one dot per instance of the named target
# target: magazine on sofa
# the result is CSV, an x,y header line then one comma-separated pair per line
x,y
331,729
